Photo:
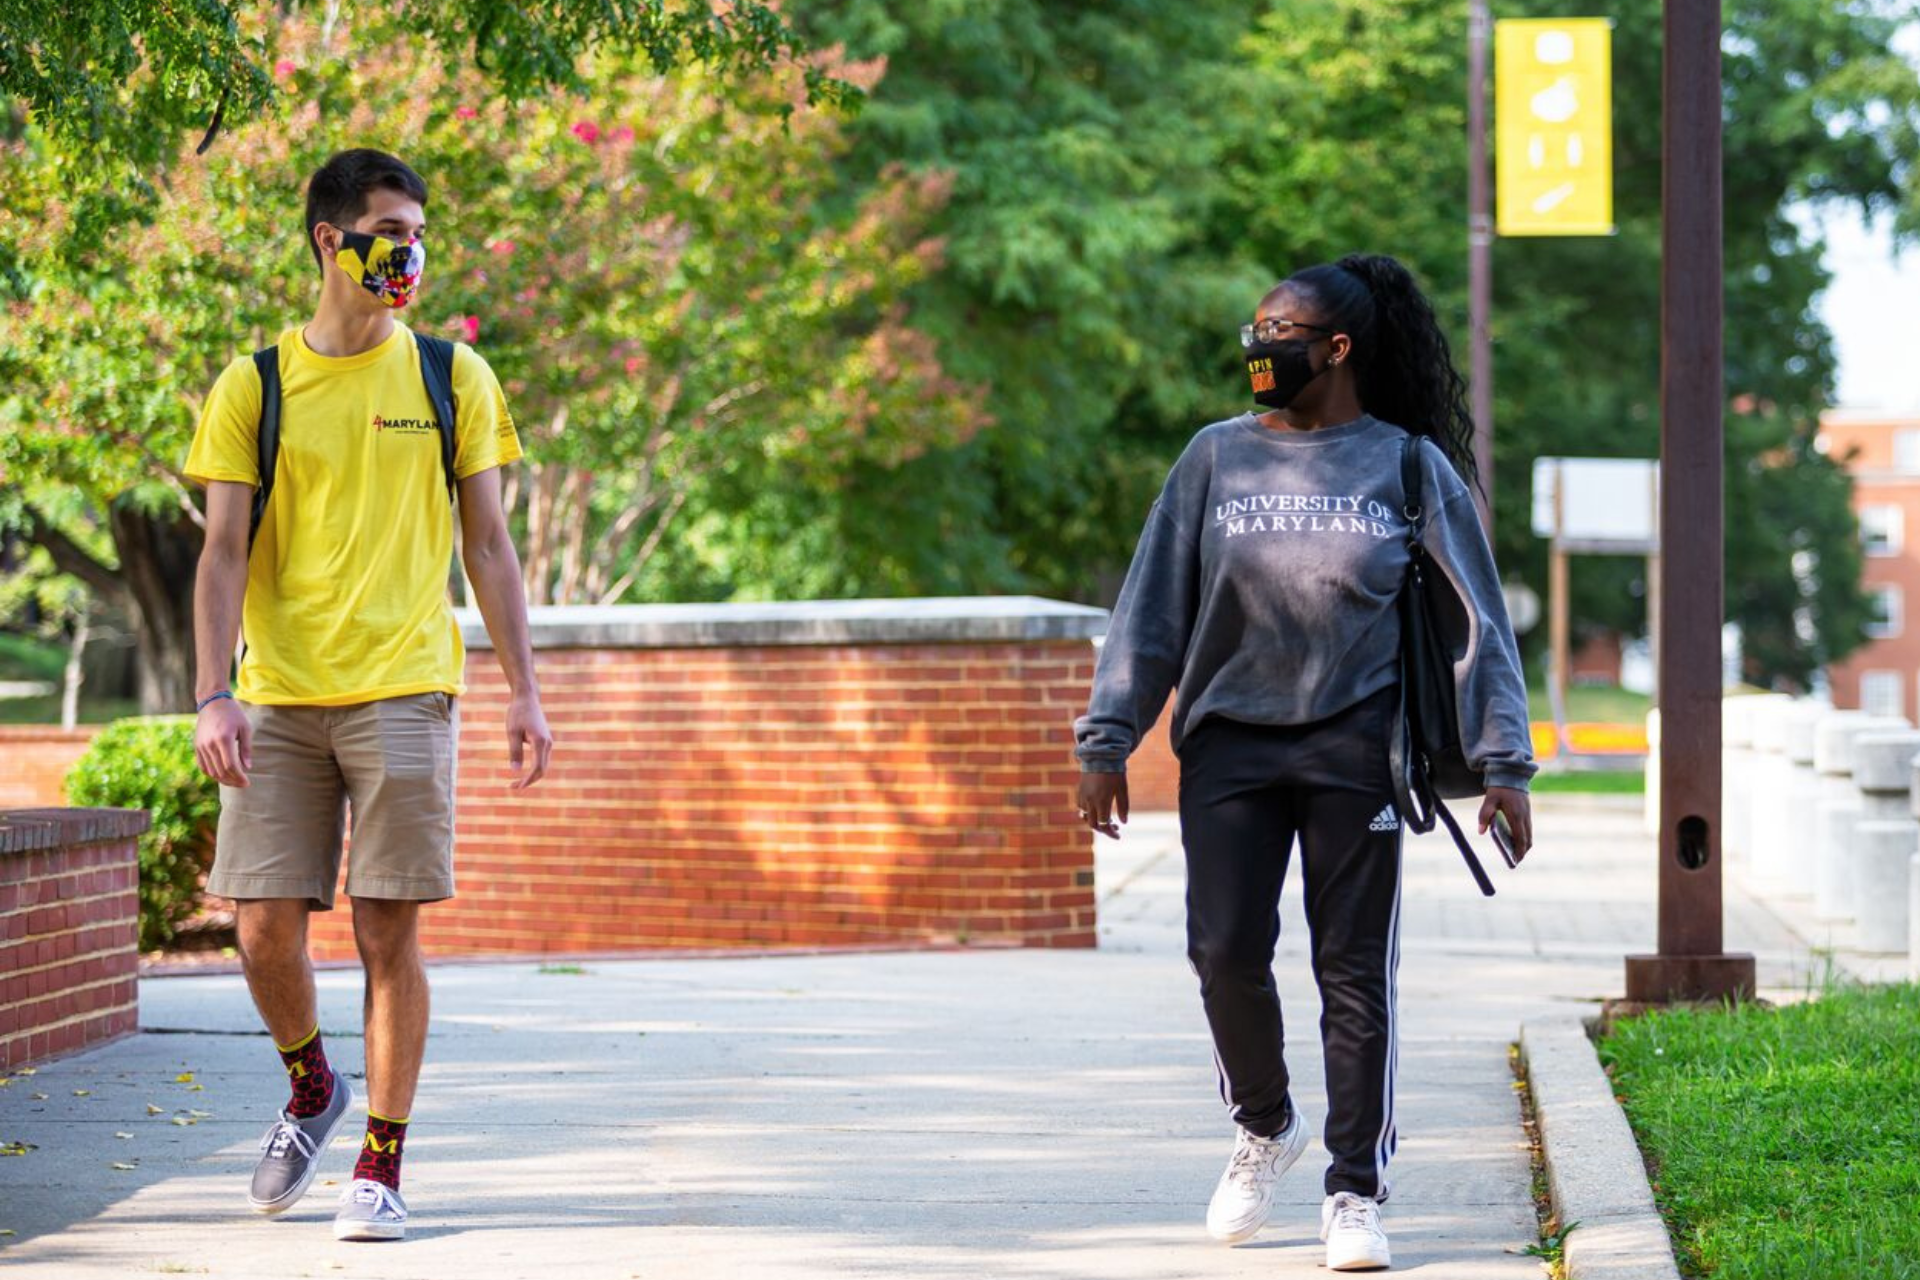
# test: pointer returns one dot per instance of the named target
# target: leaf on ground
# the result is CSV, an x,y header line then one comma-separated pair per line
x,y
196,1088
39,1097
123,1166
154,1111
183,1121
199,1115
17,1148
83,1093
6,1231
123,1135
27,1071
185,1077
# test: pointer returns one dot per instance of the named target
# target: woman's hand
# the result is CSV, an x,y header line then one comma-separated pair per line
x,y
1103,796
1519,812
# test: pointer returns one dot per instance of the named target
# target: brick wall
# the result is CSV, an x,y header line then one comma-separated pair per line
x,y
34,760
728,794
1153,771
69,929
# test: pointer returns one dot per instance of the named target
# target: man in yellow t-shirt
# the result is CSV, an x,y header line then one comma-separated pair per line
x,y
353,661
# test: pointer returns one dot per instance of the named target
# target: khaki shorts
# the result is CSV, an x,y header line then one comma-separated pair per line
x,y
280,836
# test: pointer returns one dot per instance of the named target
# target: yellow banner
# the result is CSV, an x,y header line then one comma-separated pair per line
x,y
1553,126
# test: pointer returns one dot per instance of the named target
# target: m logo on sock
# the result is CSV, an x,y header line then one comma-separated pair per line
x,y
386,1148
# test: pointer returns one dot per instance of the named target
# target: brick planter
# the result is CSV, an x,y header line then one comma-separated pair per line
x,y
851,773
69,929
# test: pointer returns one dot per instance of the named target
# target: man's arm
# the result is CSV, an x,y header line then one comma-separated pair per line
x,y
494,569
222,738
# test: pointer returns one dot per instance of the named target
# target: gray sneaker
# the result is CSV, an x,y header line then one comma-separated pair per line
x,y
370,1210
291,1152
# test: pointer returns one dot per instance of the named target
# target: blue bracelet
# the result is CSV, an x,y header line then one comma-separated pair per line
x,y
204,704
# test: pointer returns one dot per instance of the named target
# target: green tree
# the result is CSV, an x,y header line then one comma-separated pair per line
x,y
1083,284
118,81
645,265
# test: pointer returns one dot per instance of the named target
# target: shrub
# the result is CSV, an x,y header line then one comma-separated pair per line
x,y
148,764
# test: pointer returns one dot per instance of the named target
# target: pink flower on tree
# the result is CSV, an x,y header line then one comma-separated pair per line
x,y
623,134
503,248
472,326
283,68
465,113
587,131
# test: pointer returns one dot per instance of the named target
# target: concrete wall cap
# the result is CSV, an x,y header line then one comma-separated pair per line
x,y
1834,735
31,830
934,620
1884,761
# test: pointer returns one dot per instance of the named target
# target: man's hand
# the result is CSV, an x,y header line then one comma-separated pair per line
x,y
1102,797
1519,811
527,727
223,743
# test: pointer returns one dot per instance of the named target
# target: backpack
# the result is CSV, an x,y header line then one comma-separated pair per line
x,y
436,370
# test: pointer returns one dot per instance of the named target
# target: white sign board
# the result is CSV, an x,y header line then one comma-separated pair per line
x,y
1598,504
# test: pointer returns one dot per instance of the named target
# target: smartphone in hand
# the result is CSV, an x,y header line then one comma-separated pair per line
x,y
1503,838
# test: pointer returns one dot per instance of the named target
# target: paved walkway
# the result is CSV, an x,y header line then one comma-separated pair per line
x,y
985,1114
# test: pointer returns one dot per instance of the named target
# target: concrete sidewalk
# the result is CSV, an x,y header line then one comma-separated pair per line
x,y
1020,1114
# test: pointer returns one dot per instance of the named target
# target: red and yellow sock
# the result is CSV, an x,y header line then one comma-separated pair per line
x,y
310,1074
380,1151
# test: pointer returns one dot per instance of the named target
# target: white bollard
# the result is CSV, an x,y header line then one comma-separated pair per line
x,y
1883,876
1737,714
1913,918
1883,765
1839,808
1803,798
1771,847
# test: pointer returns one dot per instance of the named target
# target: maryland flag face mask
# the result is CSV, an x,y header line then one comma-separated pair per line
x,y
389,271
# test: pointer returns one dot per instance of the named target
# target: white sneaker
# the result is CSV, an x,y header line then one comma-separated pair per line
x,y
370,1210
1356,1241
1244,1197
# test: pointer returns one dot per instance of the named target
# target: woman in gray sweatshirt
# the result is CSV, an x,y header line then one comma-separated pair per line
x,y
1264,589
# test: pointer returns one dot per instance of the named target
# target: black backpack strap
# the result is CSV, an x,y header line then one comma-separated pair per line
x,y
266,362
436,369
1411,489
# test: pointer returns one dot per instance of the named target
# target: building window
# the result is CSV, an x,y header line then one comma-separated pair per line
x,y
1906,451
1883,693
1882,529
1885,618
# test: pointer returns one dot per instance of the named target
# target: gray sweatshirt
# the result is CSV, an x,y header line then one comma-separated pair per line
x,y
1264,588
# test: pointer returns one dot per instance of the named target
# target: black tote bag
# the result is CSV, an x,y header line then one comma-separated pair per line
x,y
1430,766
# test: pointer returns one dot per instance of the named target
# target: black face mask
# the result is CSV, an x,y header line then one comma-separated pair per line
x,y
1280,371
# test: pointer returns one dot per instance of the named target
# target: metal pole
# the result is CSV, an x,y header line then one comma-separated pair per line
x,y
1691,964
1480,257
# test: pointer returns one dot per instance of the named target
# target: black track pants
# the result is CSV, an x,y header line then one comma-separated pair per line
x,y
1245,793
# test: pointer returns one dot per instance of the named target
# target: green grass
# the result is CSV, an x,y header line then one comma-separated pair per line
x,y
1783,1142
1593,782
1592,704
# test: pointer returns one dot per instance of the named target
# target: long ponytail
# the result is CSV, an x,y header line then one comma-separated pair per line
x,y
1401,358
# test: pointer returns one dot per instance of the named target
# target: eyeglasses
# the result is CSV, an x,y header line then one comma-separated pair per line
x,y
1274,329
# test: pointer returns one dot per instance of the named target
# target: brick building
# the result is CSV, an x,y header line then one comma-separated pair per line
x,y
1883,452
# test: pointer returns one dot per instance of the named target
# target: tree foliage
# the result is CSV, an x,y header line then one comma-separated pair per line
x,y
950,345
1237,143
648,266
118,81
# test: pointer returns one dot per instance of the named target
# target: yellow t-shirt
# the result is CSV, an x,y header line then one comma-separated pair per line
x,y
347,586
